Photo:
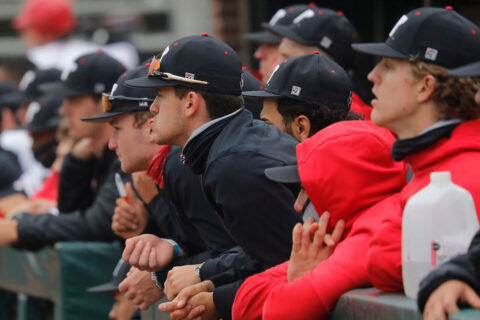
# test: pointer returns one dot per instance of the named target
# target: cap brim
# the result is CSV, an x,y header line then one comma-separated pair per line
x,y
262,37
50,125
286,174
284,31
149,82
261,94
13,99
60,89
106,287
469,70
379,49
104,117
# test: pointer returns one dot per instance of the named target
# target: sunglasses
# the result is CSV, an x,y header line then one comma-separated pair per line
x,y
154,72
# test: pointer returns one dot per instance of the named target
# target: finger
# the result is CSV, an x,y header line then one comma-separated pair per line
x,y
129,246
306,232
137,300
297,237
336,236
471,298
130,194
196,312
167,306
180,314
123,286
451,306
152,259
323,224
187,293
135,256
143,261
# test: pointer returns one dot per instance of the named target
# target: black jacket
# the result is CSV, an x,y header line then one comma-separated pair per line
x,y
257,211
204,236
88,193
465,267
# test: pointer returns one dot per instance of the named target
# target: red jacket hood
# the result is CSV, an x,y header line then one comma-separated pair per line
x,y
347,167
464,138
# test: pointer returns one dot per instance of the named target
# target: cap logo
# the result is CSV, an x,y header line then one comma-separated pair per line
x,y
71,68
241,81
143,104
114,88
167,49
401,21
431,54
277,16
274,70
190,76
326,42
99,87
296,91
305,14
33,109
27,78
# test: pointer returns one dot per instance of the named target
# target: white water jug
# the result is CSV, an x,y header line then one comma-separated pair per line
x,y
439,222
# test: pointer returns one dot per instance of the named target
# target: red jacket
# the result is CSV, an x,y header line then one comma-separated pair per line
x,y
360,107
345,169
460,154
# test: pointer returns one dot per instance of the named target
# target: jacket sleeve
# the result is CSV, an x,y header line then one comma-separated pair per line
x,y
465,267
384,255
90,224
223,298
75,184
259,218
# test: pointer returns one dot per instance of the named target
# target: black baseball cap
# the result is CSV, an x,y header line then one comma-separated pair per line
x,y
123,99
119,274
198,62
435,35
92,73
250,83
470,70
323,28
30,86
7,88
311,78
282,17
42,114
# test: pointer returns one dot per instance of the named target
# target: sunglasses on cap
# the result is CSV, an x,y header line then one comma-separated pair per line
x,y
154,72
107,100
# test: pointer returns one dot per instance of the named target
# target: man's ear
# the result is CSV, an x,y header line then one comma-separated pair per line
x,y
426,88
191,103
301,127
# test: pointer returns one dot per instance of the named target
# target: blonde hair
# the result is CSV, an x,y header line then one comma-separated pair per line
x,y
454,97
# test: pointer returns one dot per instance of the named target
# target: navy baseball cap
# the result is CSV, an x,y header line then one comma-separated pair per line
x,y
323,28
92,73
42,114
198,62
439,36
119,274
311,78
470,70
123,99
250,83
29,86
282,17
8,88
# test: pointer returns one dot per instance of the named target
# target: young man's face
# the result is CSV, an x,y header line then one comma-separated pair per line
x,y
270,114
394,87
267,56
132,145
168,124
76,108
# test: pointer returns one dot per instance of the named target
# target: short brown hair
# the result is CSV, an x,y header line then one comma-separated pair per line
x,y
454,97
140,118
218,105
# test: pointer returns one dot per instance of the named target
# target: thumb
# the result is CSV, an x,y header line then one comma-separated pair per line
x,y
130,193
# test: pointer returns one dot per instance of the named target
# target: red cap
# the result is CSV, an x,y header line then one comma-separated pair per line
x,y
53,17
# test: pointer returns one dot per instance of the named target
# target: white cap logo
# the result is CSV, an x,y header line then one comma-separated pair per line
x,y
190,76
99,87
164,53
71,68
33,108
143,104
296,91
114,88
277,16
431,54
274,70
401,21
326,42
27,78
305,14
